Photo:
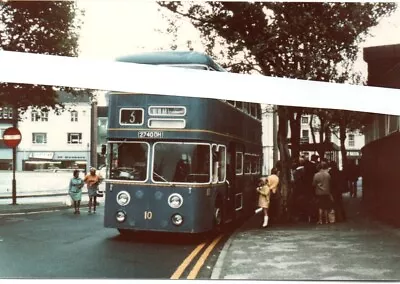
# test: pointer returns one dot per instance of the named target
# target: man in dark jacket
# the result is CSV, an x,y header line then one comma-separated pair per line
x,y
337,184
310,169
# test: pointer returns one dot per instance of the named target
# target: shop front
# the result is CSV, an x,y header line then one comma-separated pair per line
x,y
354,155
54,161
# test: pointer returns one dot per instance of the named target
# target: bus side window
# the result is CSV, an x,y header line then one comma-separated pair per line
x,y
215,164
222,163
247,164
239,163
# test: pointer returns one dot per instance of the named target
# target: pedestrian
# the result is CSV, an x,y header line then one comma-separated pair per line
x,y
275,212
310,169
275,196
354,175
321,183
267,186
336,191
75,190
92,182
263,199
300,191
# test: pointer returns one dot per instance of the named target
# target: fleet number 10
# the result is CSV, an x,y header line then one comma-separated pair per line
x,y
148,215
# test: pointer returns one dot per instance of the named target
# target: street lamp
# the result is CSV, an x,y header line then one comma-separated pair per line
x,y
93,131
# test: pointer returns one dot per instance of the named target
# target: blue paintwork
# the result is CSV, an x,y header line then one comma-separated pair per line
x,y
207,120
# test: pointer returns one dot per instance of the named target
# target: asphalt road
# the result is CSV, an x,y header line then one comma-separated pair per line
x,y
63,245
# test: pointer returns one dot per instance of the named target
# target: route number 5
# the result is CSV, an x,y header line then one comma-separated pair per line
x,y
132,117
148,215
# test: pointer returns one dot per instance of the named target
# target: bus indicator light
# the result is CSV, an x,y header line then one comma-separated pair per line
x,y
177,219
120,216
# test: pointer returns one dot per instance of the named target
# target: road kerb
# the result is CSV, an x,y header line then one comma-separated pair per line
x,y
27,210
216,272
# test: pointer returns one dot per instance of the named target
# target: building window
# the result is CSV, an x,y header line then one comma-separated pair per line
x,y
351,140
74,116
74,138
39,138
40,116
5,113
304,119
328,137
304,136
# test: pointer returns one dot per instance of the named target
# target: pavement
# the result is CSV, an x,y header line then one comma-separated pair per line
x,y
361,248
37,192
40,204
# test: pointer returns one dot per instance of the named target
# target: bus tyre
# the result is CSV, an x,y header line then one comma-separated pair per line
x,y
218,218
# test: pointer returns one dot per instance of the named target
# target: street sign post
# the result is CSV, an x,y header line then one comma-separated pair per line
x,y
12,137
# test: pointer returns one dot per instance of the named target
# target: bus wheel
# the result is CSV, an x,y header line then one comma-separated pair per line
x,y
218,217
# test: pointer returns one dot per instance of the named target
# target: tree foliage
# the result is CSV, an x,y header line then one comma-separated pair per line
x,y
310,41
45,27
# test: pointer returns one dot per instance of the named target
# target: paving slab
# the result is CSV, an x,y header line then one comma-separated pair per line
x,y
358,249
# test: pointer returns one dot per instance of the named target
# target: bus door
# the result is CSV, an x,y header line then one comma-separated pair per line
x,y
237,151
220,181
230,182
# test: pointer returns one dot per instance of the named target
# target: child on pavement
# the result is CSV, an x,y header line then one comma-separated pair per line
x,y
266,186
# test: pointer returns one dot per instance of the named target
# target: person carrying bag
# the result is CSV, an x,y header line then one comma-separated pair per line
x,y
92,182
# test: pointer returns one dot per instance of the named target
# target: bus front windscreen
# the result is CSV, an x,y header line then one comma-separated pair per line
x,y
128,161
181,162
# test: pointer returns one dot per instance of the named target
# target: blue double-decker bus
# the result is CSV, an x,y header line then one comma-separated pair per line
x,y
180,164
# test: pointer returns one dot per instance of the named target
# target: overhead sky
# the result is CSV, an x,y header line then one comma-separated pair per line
x,y
117,27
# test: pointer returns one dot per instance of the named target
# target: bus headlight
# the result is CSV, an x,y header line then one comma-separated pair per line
x,y
120,216
175,200
177,219
123,198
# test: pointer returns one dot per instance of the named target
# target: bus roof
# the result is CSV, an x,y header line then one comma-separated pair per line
x,y
171,58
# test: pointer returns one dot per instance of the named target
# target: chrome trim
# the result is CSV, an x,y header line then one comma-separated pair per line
x,y
148,161
180,183
241,201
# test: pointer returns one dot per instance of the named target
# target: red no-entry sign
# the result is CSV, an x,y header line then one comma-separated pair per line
x,y
12,137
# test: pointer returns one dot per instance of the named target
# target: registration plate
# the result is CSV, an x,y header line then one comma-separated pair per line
x,y
150,134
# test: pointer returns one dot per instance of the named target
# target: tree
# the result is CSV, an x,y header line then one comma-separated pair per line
x,y
348,121
309,41
45,27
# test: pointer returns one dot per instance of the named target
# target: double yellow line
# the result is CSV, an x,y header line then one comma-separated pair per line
x,y
200,262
